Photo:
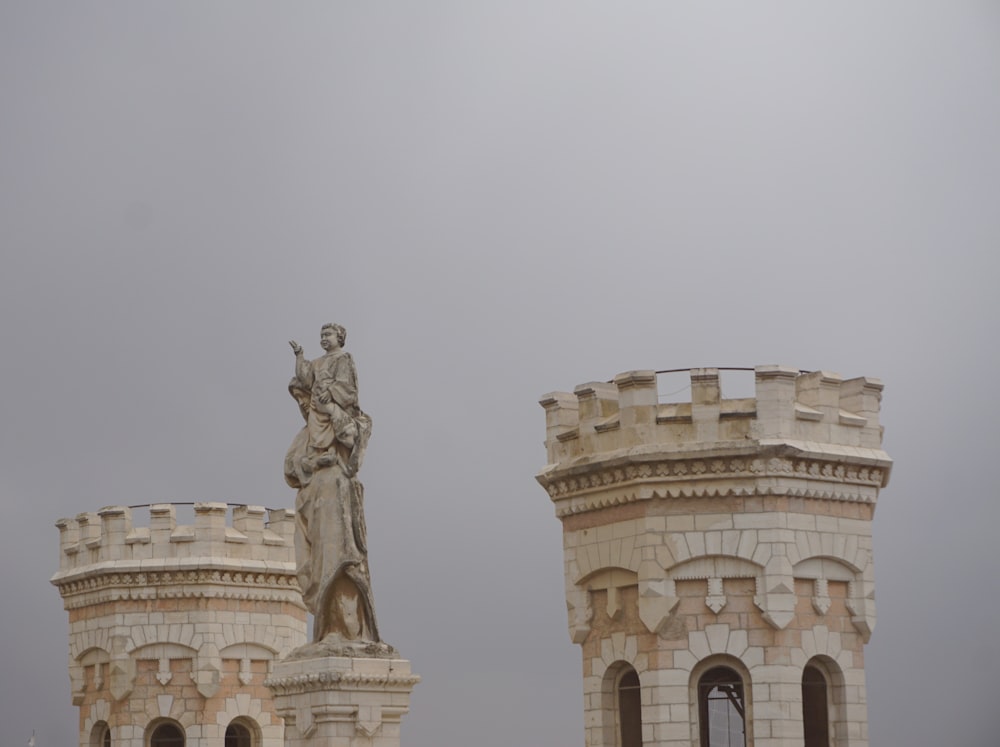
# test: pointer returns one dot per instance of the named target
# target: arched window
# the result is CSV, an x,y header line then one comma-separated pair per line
x,y
629,709
239,735
815,707
100,735
721,708
167,734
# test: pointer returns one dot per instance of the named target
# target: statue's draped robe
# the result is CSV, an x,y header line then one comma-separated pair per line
x,y
330,543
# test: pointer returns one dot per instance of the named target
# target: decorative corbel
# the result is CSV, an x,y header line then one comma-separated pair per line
x,y
164,675
821,596
716,598
246,675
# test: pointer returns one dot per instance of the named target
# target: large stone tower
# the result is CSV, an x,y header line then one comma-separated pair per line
x,y
173,629
718,556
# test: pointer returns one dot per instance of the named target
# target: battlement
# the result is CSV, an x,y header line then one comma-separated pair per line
x,y
819,407
109,539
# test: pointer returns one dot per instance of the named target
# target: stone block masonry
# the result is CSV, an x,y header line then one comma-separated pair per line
x,y
719,546
179,625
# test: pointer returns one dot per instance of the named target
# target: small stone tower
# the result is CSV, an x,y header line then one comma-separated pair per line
x,y
173,629
718,556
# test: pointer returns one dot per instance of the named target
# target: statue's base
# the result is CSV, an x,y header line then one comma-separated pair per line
x,y
338,648
342,701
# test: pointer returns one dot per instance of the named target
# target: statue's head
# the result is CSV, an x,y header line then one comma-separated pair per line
x,y
331,331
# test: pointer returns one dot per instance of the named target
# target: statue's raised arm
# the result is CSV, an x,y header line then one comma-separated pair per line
x,y
322,464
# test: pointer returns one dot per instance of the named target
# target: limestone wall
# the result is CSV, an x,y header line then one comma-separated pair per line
x,y
175,622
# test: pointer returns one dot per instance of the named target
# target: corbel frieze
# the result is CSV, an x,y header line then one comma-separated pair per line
x,y
190,584
601,487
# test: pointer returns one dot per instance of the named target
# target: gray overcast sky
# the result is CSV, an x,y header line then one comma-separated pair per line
x,y
497,199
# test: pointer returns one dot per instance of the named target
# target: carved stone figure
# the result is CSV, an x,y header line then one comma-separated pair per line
x,y
322,463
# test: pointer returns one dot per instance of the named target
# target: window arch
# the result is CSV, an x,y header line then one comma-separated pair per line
x,y
100,735
815,707
824,705
242,732
722,708
629,702
166,734
620,712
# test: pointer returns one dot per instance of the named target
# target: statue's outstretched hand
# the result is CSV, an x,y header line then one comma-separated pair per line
x,y
296,348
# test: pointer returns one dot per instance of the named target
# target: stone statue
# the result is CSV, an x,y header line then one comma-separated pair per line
x,y
322,464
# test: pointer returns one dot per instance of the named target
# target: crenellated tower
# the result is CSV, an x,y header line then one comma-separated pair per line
x,y
718,556
173,628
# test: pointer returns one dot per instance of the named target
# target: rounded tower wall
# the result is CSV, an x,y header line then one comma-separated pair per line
x,y
718,528
178,622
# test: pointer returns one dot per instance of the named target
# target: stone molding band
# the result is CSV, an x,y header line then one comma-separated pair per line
x,y
197,571
597,502
82,590
674,478
321,681
290,597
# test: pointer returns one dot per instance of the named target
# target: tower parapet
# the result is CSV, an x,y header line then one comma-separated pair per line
x,y
109,536
719,537
179,624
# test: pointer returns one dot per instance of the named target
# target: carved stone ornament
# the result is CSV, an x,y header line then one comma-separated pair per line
x,y
716,598
730,476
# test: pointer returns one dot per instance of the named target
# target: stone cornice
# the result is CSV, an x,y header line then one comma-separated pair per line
x,y
740,469
229,570
109,584
321,681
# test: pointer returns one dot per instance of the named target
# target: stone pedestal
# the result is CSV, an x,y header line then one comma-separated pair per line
x,y
339,701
